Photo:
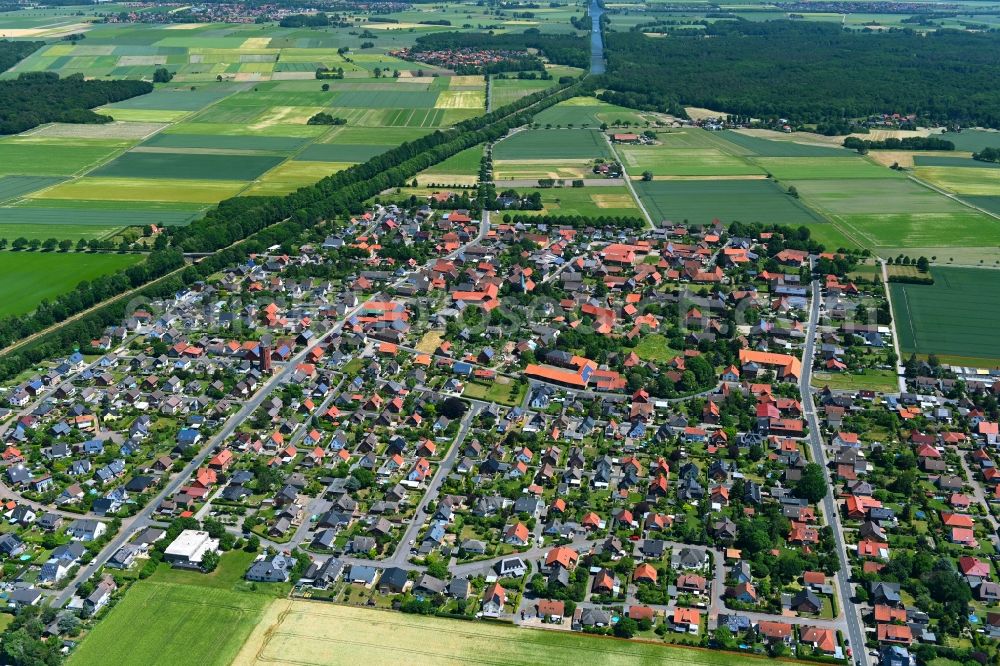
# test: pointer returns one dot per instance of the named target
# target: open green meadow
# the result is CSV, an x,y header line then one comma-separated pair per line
x,y
29,277
315,633
587,201
957,316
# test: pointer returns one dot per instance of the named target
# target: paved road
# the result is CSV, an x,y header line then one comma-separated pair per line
x,y
433,489
852,623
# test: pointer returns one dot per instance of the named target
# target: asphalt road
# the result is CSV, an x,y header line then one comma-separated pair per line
x,y
853,624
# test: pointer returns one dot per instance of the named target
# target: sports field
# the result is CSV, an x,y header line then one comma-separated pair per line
x,y
958,315
28,277
316,633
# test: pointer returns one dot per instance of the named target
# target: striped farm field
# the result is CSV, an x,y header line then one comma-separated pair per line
x,y
958,315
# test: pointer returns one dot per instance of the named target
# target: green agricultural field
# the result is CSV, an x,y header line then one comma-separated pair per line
x,y
961,180
992,204
381,136
778,147
13,187
899,231
958,315
223,142
505,91
940,161
179,98
292,175
588,111
340,152
33,156
144,189
562,144
464,163
195,166
701,201
30,277
662,161
973,140
304,632
879,195
824,168
177,620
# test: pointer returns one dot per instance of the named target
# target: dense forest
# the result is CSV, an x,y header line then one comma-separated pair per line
x,y
906,143
987,155
813,72
560,49
42,97
12,53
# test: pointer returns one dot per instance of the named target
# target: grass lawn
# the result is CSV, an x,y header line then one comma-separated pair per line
x,y
29,277
305,632
958,315
654,347
873,380
504,391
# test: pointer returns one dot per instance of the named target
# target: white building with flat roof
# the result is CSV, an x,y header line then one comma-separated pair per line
x,y
188,549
